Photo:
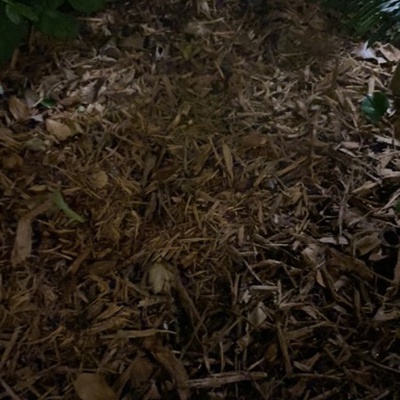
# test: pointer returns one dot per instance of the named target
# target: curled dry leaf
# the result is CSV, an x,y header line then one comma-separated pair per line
x,y
93,387
58,130
12,161
23,238
367,244
19,109
161,277
23,241
99,179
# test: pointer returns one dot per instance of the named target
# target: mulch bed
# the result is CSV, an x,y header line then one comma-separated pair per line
x,y
193,206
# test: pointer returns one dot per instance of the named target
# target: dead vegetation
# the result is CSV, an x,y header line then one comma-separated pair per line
x,y
193,207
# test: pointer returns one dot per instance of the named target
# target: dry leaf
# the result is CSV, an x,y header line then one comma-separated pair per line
x,y
93,387
23,238
58,130
150,162
368,53
19,109
134,42
257,315
161,277
12,161
254,140
226,151
390,52
99,179
366,244
35,144
319,278
141,370
23,241
196,28
312,254
346,263
271,353
172,365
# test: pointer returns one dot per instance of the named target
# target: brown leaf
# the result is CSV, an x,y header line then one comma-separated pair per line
x,y
12,161
99,179
23,238
141,371
93,387
366,244
226,151
23,241
59,130
172,365
254,140
19,109
161,277
346,263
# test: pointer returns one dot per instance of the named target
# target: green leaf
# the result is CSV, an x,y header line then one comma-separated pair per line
x,y
11,34
87,6
374,106
53,4
397,206
58,25
63,206
48,103
12,15
22,10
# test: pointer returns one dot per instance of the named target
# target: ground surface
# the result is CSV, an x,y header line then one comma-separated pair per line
x,y
234,234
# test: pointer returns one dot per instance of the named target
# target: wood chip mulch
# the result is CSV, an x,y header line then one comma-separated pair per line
x,y
193,207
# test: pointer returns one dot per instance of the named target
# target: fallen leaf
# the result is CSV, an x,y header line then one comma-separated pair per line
x,y
319,278
93,387
23,241
348,264
226,151
312,254
99,179
19,109
171,363
58,130
141,370
254,140
366,244
390,52
35,144
196,28
257,316
23,237
134,42
12,161
161,277
368,53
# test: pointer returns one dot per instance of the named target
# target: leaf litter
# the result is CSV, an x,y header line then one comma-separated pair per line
x,y
241,229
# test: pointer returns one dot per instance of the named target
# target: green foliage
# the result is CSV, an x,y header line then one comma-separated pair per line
x,y
56,18
376,19
58,24
374,106
11,33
